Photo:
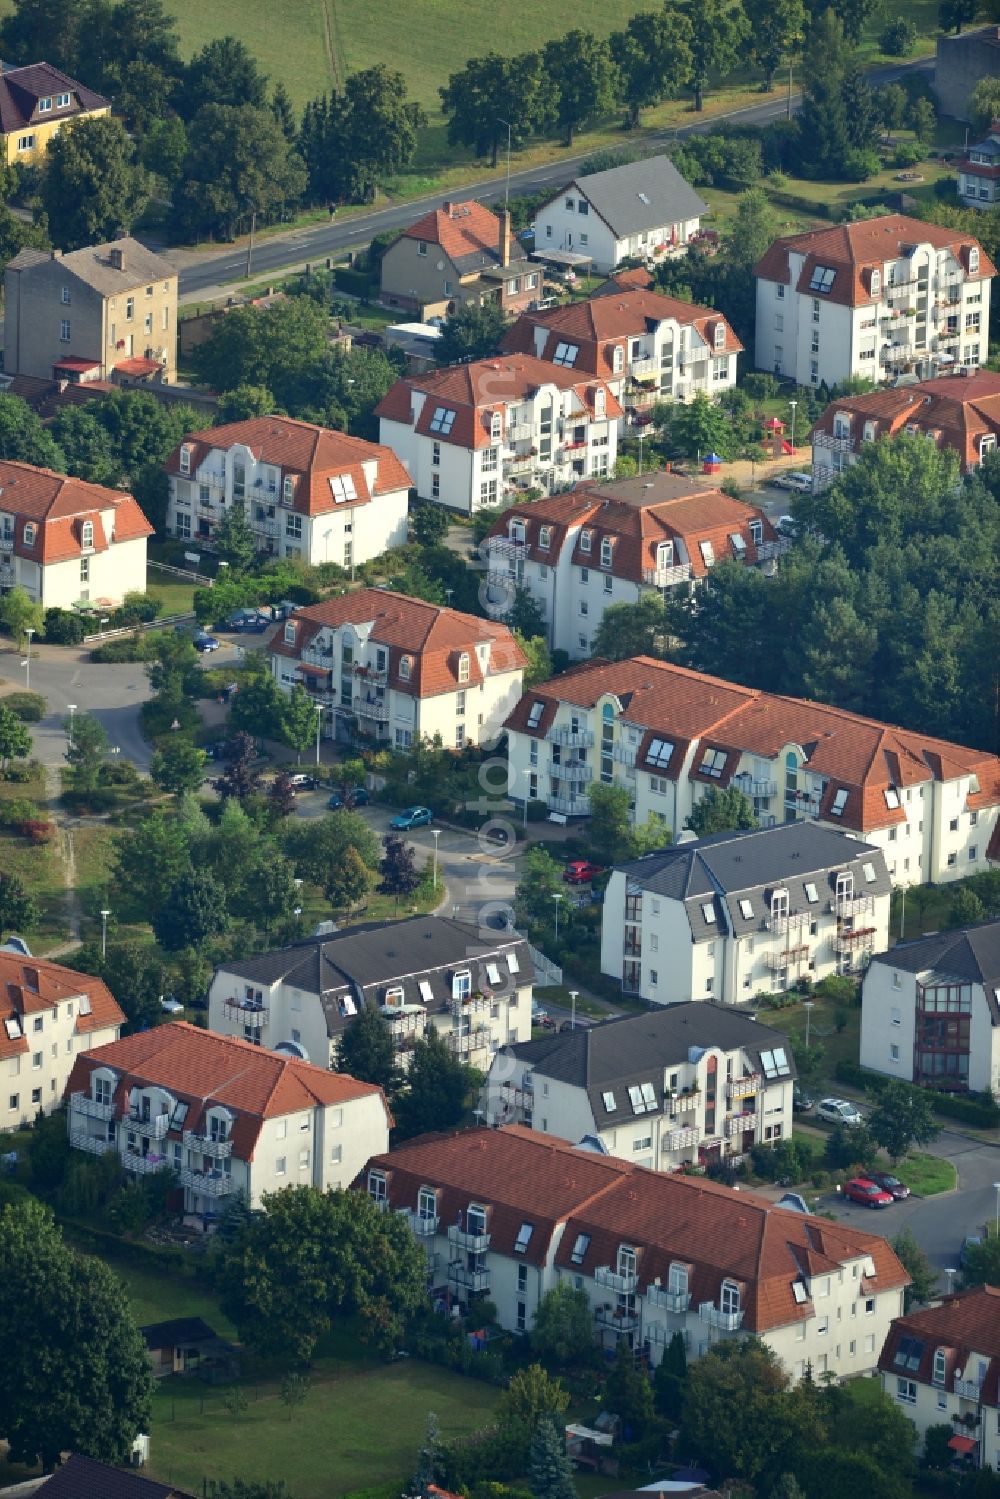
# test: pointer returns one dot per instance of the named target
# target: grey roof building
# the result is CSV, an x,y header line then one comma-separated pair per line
x,y
641,195
419,971
740,913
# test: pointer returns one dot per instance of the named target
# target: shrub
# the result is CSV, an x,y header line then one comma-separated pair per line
x,y
36,830
860,165
898,39
20,772
908,153
17,811
126,648
29,706
63,627
356,282
135,609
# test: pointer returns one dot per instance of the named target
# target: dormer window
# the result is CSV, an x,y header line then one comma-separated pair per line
x,y
290,632
626,1260
974,260
288,489
185,459
599,407
841,424
394,998
30,532
87,534
876,282
586,537
496,426
517,530
63,101
779,904
607,552
426,1204
677,1282
720,335
463,667
618,359
461,985
404,668
870,431
729,1297
940,1372
45,106
377,1186
545,538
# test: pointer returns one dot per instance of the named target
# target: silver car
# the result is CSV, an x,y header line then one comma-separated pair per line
x,y
839,1111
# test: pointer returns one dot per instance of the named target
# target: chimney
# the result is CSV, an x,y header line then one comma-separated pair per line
x,y
504,238
117,259
448,209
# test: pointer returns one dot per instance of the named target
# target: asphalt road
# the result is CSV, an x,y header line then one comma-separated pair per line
x,y
277,252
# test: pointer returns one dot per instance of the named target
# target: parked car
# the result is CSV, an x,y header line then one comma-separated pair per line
x,y
217,750
541,1017
204,642
787,526
413,817
582,1024
802,483
172,1006
303,781
839,1111
898,1190
581,872
868,1193
971,1241
802,1101
246,621
358,798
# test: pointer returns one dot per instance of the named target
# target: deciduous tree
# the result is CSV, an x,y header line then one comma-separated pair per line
x,y
776,29
15,739
563,1331
241,778
471,332
902,1116
653,56
300,720
612,834
92,188
23,439
225,71
239,163
177,767
720,810
397,867
195,909
18,910
490,90
150,858
438,1088
349,882
316,848
719,31
366,1050
638,629
86,749
584,78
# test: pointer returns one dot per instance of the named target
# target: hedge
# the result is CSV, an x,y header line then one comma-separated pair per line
x,y
976,1109
103,1242
359,283
29,707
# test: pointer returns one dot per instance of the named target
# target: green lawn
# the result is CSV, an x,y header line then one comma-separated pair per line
x,y
926,1175
40,867
159,1297
352,1432
174,595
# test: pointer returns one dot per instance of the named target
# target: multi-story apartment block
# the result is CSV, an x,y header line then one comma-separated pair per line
x,y
667,734
469,433
85,315
644,208
959,412
646,346
979,172
942,1365
745,913
608,543
458,255
507,1213
423,973
35,103
65,541
48,1015
307,492
688,1084
399,669
930,1011
878,297
224,1115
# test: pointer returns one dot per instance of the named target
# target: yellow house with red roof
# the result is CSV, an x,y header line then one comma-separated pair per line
x,y
460,254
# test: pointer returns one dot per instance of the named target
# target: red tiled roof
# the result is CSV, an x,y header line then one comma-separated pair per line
x,y
957,409
461,229
59,505
138,367
475,391
431,636
308,454
856,754
521,1176
203,1068
963,1325
853,249
28,986
21,89
638,277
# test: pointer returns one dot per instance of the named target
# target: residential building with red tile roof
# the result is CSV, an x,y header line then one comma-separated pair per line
x,y
877,297
979,172
399,669
458,255
222,1113
607,543
648,347
473,433
91,314
959,412
35,102
507,1213
308,493
66,541
668,733
941,1365
48,1016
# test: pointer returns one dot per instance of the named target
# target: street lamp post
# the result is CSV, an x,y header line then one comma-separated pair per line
x,y
27,659
104,619
436,834
506,191
996,1188
319,726
572,1008
105,913
557,897
72,711
791,440
808,1007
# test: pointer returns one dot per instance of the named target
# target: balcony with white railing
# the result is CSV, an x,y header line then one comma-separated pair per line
x,y
745,1087
569,806
263,525
245,1012
506,546
721,1321
787,957
153,1126
464,1042
312,656
788,925
969,1389
421,1224
769,551
624,1282
666,577
475,1282
519,432
91,1108
6,543
474,1242
208,1183
571,738
642,369
573,770
516,463
736,1124
683,1103
855,938
832,442
210,1145
143,1165
376,676
668,1300
750,786
376,709
617,1319
95,1144
845,907
622,755
681,1139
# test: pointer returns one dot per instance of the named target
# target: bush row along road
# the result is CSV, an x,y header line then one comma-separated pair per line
x,y
218,268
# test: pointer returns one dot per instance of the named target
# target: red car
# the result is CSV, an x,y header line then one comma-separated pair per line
x,y
868,1193
581,872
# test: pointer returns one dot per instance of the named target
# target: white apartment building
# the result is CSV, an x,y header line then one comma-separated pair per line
x,y
878,297
506,1213
930,1011
744,913
471,433
308,493
66,542
49,1015
942,1365
979,172
424,973
646,346
223,1115
643,208
395,669
667,733
608,543
685,1085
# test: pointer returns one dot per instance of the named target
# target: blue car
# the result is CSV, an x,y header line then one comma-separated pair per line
x,y
358,798
413,817
204,642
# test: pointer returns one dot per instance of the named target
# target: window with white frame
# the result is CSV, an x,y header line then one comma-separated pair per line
x,y
377,1186
586,539
461,985
607,551
463,667
729,1298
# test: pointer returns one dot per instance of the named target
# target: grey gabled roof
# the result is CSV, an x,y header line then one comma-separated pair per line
x,y
361,962
727,868
93,265
634,1049
971,954
641,195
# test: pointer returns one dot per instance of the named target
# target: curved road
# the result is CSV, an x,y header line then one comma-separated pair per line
x,y
219,268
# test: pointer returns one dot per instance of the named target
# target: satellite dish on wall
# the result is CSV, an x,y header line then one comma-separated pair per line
x,y
292,1049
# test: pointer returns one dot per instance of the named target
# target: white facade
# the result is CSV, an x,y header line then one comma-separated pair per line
x,y
570,222
354,533
36,1079
922,306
